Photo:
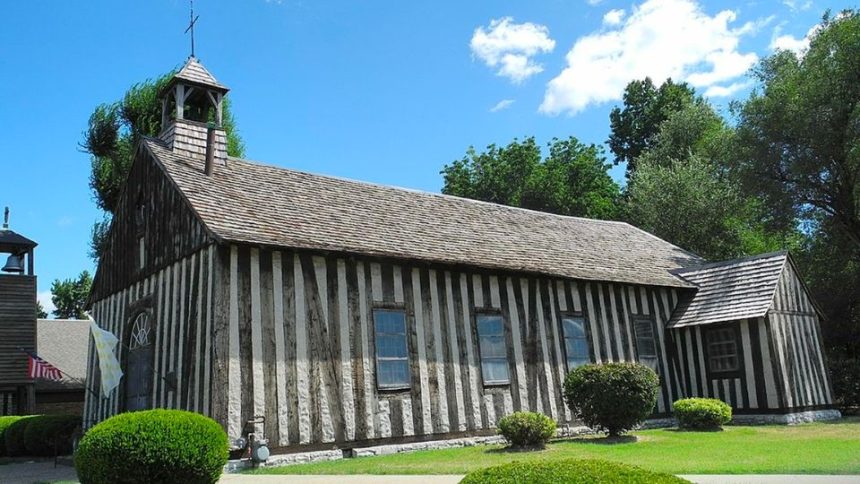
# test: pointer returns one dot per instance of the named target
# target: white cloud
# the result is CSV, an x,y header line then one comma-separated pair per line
x,y
659,39
44,297
594,3
613,17
501,105
792,43
510,47
796,5
727,91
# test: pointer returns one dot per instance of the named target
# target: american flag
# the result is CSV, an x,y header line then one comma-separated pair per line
x,y
39,368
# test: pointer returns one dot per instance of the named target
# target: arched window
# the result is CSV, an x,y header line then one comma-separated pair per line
x,y
141,332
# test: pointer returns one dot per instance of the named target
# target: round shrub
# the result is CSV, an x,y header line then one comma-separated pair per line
x,y
702,413
50,435
527,429
612,397
153,446
5,422
13,438
587,471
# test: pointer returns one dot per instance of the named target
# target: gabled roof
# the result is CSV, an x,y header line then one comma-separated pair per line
x,y
252,203
729,290
63,343
194,72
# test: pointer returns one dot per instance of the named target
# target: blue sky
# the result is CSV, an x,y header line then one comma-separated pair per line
x,y
385,91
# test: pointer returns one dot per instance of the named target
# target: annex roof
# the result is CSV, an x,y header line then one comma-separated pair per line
x,y
729,290
64,343
249,202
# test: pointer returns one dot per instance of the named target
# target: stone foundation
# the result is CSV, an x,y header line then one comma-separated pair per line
x,y
788,418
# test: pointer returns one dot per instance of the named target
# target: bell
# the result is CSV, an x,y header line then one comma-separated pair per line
x,y
15,263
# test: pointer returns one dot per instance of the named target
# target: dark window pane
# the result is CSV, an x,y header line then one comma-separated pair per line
x,y
573,327
393,373
390,321
490,325
390,346
495,370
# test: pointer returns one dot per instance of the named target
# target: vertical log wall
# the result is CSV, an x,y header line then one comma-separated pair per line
x,y
295,343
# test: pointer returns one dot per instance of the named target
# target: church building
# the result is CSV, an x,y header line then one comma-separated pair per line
x,y
321,313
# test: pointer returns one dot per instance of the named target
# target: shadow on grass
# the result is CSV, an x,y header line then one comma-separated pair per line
x,y
623,439
514,450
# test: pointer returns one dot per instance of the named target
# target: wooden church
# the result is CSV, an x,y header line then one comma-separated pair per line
x,y
320,312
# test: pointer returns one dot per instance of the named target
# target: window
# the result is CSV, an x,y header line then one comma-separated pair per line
x,y
722,350
494,352
646,346
392,354
575,341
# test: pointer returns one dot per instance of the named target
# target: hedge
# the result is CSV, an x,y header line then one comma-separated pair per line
x,y
573,471
702,413
5,423
612,397
153,446
50,435
13,438
527,429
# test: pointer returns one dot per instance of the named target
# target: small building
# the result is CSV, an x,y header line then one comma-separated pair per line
x,y
63,344
17,320
319,312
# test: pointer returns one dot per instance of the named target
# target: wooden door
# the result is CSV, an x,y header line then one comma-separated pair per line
x,y
138,374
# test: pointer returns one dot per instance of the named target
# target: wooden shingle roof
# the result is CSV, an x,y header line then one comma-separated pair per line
x,y
64,343
194,72
252,203
729,290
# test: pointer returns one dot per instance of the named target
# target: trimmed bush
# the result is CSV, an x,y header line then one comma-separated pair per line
x,y
587,471
702,413
153,446
527,429
5,422
13,438
50,435
612,397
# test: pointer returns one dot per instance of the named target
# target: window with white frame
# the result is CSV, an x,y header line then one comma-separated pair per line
x,y
575,341
722,350
392,352
493,349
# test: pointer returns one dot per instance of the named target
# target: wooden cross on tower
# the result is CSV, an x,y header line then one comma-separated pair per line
x,y
191,27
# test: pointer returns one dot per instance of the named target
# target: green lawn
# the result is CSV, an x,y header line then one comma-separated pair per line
x,y
819,448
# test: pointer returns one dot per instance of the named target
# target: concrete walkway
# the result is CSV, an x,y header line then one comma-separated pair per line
x,y
35,471
772,479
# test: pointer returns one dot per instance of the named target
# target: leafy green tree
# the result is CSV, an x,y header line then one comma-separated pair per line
x,y
70,296
645,107
799,132
40,311
572,180
688,203
112,133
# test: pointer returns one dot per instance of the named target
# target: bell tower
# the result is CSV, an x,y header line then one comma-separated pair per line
x,y
17,321
192,115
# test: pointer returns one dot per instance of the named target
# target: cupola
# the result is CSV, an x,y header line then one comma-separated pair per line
x,y
192,115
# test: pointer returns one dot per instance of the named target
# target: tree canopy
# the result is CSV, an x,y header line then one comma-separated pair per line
x,y
645,107
70,296
799,132
571,180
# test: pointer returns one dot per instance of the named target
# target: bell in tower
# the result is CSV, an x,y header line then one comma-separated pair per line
x,y
192,113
